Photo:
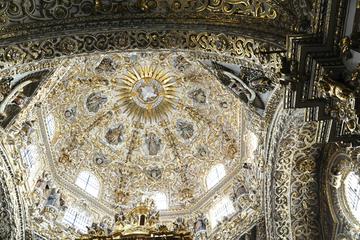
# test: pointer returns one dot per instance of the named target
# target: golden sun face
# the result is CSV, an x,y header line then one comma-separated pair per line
x,y
147,93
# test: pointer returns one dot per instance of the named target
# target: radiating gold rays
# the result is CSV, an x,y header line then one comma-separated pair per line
x,y
147,93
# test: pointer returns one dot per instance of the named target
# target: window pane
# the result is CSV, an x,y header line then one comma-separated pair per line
x,y
160,200
88,183
50,125
352,192
215,175
30,159
77,219
220,210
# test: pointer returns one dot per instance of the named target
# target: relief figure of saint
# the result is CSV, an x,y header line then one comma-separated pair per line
x,y
95,101
153,143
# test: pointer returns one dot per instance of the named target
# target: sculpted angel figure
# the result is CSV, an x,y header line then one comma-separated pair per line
x,y
239,86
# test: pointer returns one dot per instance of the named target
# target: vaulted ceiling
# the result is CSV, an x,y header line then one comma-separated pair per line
x,y
150,95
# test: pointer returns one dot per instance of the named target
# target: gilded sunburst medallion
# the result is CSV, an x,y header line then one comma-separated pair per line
x,y
148,93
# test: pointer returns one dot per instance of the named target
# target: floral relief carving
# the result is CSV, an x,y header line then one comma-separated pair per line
x,y
295,187
235,46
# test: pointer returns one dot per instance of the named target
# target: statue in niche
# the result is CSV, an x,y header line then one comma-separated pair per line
x,y
53,198
200,227
95,101
114,136
153,144
15,94
154,173
240,84
62,202
70,113
185,129
106,65
198,96
18,97
43,183
239,193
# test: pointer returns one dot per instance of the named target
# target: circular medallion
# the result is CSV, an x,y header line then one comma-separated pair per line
x,y
148,93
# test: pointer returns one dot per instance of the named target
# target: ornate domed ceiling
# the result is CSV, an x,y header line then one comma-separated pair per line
x,y
144,122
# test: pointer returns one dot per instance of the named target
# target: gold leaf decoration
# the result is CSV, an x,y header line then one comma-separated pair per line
x,y
147,93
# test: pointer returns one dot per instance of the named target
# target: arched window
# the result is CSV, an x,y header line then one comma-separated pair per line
x,y
220,210
30,158
352,193
215,174
77,219
89,183
253,142
160,200
50,125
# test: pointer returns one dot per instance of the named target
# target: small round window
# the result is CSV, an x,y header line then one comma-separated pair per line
x,y
352,194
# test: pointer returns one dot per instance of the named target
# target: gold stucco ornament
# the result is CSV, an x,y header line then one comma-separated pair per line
x,y
148,93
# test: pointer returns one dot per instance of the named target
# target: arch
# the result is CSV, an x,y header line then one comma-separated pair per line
x,y
292,188
341,165
214,176
89,183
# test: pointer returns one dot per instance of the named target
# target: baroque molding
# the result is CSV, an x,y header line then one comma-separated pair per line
x,y
12,221
292,169
231,45
29,17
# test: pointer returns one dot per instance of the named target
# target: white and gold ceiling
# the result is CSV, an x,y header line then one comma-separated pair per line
x,y
143,123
